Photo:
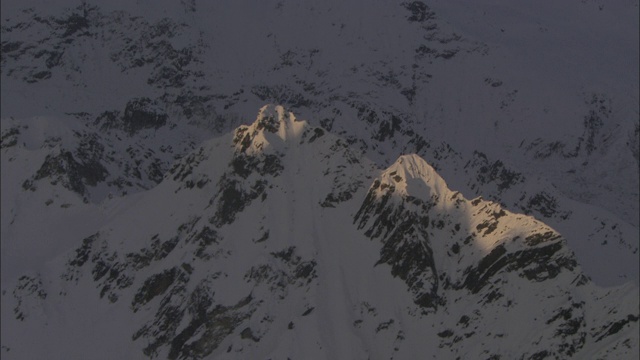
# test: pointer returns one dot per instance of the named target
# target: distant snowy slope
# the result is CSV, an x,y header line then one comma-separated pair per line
x,y
532,106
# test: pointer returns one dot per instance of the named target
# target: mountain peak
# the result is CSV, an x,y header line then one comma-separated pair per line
x,y
274,127
271,117
412,175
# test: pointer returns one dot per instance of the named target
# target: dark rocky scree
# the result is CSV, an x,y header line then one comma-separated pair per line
x,y
208,323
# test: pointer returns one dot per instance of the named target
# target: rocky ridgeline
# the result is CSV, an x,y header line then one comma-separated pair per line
x,y
218,272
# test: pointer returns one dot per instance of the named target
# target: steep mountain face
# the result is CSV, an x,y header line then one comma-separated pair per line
x,y
280,240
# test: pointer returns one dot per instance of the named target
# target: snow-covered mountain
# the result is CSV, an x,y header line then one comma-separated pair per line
x,y
124,196
281,241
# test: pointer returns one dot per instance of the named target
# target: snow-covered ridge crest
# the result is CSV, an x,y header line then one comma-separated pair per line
x,y
412,175
274,128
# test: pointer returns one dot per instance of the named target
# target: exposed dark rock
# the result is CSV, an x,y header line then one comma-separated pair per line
x,y
263,164
332,199
405,241
10,46
232,199
289,270
108,120
308,311
154,286
544,204
477,277
9,137
317,132
156,251
142,113
537,238
83,252
247,333
495,172
535,264
568,322
269,123
408,253
205,238
420,12
615,327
